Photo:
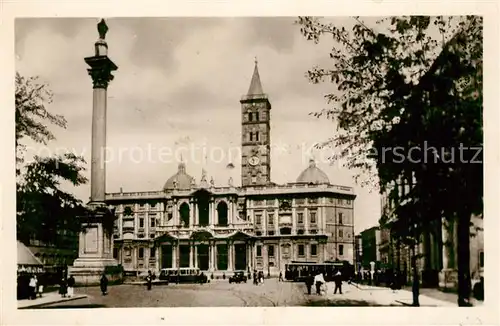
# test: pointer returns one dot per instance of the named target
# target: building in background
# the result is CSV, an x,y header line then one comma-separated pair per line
x,y
370,241
56,255
437,249
220,229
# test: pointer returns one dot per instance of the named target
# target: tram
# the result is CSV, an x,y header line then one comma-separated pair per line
x,y
183,275
297,271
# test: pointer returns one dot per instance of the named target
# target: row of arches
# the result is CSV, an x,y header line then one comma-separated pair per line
x,y
204,211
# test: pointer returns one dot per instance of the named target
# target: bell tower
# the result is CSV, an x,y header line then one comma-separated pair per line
x,y
255,133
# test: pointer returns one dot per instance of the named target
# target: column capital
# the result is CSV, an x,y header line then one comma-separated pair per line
x,y
100,70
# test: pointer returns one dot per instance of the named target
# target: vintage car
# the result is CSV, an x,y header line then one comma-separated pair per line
x,y
238,277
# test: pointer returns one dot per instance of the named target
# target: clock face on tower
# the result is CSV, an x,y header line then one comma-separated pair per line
x,y
253,161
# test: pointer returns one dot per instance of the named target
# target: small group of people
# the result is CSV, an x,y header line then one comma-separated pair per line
x,y
258,277
319,282
67,287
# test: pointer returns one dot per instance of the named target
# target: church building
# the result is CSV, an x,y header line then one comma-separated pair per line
x,y
259,225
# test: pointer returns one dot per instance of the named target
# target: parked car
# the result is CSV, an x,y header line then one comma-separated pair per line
x,y
238,277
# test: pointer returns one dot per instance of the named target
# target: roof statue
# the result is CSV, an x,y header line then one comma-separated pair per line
x,y
230,181
102,28
212,181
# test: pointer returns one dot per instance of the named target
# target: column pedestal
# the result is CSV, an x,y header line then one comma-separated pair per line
x,y
96,249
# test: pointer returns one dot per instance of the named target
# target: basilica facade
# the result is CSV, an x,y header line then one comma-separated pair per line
x,y
259,225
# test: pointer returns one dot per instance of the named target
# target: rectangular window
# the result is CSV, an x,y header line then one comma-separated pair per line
x,y
141,252
313,217
340,218
250,115
481,259
259,251
300,218
314,250
256,116
250,136
301,250
256,136
153,219
341,234
141,222
115,253
152,252
270,219
258,219
341,250
270,251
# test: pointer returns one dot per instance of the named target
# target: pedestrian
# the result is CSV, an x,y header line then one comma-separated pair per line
x,y
319,280
338,282
71,286
63,287
41,282
104,284
309,282
149,280
281,277
32,286
255,280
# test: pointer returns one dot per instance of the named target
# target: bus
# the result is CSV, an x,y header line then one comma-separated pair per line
x,y
297,271
183,275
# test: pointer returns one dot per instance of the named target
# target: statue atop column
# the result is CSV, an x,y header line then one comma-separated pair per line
x,y
102,28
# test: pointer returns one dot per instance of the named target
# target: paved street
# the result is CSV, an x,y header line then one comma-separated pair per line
x,y
215,294
223,294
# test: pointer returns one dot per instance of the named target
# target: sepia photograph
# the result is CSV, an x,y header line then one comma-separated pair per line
x,y
295,161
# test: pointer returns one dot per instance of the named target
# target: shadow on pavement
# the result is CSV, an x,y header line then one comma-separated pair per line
x,y
80,306
341,303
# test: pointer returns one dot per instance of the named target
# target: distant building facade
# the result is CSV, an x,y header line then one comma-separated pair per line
x,y
437,249
220,229
370,241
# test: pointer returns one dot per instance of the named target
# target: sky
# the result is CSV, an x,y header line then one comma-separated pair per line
x,y
177,91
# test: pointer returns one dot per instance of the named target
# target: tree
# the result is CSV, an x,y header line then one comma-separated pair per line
x,y
42,207
31,114
402,89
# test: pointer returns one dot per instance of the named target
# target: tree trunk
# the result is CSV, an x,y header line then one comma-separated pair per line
x,y
416,281
463,259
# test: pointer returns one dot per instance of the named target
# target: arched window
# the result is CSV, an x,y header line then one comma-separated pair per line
x,y
222,213
184,214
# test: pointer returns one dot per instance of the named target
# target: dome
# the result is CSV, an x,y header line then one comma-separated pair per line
x,y
181,180
313,174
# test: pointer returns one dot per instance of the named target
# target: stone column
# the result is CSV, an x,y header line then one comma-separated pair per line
x,y
196,214
230,266
96,239
195,256
174,255
212,217
447,275
192,213
191,255
157,258
306,220
213,255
